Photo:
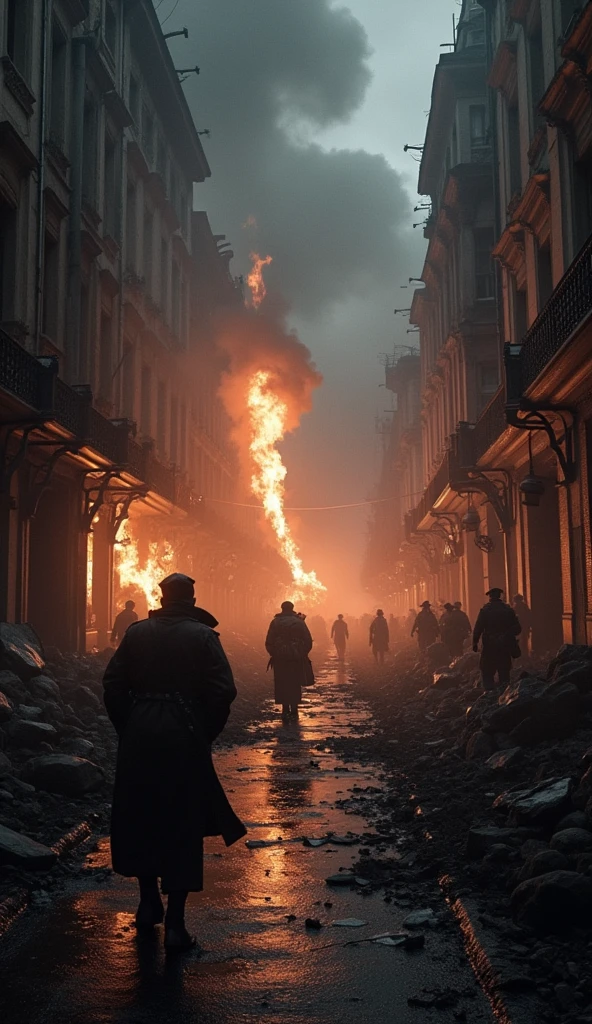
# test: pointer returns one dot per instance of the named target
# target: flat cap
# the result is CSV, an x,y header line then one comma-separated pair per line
x,y
176,579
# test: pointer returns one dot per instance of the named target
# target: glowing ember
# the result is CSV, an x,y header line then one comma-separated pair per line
x,y
255,278
137,577
267,421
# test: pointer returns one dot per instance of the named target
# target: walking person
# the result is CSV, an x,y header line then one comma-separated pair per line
x,y
454,629
288,644
122,621
464,618
168,690
340,636
379,637
426,626
497,627
524,615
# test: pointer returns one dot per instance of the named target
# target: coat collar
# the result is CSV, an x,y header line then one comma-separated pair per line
x,y
184,610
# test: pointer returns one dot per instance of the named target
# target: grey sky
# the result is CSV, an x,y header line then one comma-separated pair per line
x,y
310,104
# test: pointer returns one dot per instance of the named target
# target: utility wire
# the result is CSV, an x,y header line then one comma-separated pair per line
x,y
318,508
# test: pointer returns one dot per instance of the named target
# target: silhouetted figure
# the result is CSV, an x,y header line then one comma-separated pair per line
x,y
497,627
465,618
426,626
168,691
410,621
289,643
379,637
340,636
524,615
454,629
123,620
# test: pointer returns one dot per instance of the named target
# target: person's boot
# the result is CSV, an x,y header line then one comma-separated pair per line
x,y
285,711
150,910
176,937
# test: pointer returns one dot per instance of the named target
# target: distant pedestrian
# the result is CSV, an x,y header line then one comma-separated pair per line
x,y
288,644
465,618
410,621
168,691
379,637
454,629
426,626
497,627
340,636
122,621
524,614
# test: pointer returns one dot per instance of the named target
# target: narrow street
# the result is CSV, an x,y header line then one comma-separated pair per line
x,y
78,959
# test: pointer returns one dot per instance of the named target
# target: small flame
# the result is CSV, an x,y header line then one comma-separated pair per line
x,y
137,578
255,278
267,418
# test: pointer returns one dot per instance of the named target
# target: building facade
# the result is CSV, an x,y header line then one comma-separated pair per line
x,y
505,316
109,286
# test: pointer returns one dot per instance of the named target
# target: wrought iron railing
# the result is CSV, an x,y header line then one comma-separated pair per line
x,y
68,408
161,479
137,459
569,305
23,375
490,425
106,438
437,484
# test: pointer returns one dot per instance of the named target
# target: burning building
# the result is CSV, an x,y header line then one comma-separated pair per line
x,y
115,444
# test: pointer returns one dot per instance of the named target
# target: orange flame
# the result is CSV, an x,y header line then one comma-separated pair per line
x,y
267,420
255,278
136,577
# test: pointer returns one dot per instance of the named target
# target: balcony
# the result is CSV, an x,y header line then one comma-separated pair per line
x,y
489,427
567,309
28,379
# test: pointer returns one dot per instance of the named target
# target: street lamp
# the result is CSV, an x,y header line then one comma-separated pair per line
x,y
471,521
532,487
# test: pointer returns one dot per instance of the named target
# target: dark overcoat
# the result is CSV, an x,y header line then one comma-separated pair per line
x,y
379,634
497,627
289,673
167,795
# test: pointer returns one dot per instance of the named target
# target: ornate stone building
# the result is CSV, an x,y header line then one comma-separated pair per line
x,y
105,317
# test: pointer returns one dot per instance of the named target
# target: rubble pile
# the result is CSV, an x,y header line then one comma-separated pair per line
x,y
496,787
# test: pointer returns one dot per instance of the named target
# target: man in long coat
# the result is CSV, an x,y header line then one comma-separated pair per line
x,y
426,626
340,636
168,691
379,637
288,644
497,627
454,629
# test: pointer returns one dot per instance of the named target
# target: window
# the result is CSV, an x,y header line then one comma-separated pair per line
x,y
18,29
148,135
164,277
488,378
89,153
160,418
477,127
7,260
131,241
51,289
110,187
146,401
105,357
111,27
148,245
176,300
134,98
484,274
57,98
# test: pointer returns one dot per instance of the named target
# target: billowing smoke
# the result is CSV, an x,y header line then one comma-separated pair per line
x,y
275,75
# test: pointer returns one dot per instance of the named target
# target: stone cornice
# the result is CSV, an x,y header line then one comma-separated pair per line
x,y
567,105
510,252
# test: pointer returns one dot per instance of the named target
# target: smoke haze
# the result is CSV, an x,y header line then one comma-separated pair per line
x,y
277,80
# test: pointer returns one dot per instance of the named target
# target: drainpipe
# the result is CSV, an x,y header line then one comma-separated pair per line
x,y
79,44
39,269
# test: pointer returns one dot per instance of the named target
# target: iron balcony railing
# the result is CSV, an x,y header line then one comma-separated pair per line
x,y
488,428
569,305
24,376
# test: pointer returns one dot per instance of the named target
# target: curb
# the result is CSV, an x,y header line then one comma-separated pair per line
x,y
12,906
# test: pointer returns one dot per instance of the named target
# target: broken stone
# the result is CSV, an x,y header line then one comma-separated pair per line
x,y
536,805
313,922
577,819
343,878
77,746
64,774
418,918
542,864
5,764
20,851
28,733
572,841
30,712
349,922
577,672
44,686
553,901
480,746
481,839
505,759
584,791
448,680
21,650
6,709
516,703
